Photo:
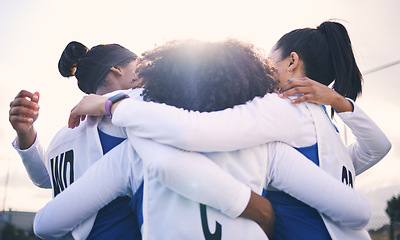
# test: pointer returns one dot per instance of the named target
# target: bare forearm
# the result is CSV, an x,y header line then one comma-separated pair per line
x,y
341,104
260,210
25,140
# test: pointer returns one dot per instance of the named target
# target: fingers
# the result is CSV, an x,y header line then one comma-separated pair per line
x,y
300,86
74,119
295,82
295,90
25,111
308,90
35,97
73,122
304,98
26,94
26,99
15,119
89,105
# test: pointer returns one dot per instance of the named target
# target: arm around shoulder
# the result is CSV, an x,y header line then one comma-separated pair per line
x,y
182,171
247,125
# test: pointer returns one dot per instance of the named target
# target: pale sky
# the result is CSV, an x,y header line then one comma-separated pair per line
x,y
34,33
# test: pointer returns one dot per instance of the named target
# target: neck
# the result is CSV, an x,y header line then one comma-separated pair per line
x,y
109,85
104,90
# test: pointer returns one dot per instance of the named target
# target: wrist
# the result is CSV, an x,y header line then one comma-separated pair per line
x,y
341,104
26,139
115,105
259,209
110,102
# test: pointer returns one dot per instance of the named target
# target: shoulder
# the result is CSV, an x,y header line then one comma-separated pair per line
x,y
66,134
135,93
271,103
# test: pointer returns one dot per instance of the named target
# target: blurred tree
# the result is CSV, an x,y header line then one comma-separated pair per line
x,y
11,232
393,211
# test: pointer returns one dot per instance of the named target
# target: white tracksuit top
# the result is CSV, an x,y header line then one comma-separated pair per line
x,y
259,121
368,149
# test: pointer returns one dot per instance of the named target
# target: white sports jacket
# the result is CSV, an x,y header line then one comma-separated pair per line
x,y
259,121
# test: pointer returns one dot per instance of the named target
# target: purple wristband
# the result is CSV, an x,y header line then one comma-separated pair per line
x,y
109,102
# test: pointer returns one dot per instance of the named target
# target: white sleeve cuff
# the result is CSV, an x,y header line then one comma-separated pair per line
x,y
34,160
239,203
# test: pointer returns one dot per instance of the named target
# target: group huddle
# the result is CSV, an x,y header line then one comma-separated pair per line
x,y
206,140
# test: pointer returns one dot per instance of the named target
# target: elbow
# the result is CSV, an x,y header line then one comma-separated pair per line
x,y
383,150
355,215
46,184
388,146
372,157
365,216
362,217
40,229
384,147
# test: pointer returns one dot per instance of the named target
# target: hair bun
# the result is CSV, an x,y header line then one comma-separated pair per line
x,y
70,57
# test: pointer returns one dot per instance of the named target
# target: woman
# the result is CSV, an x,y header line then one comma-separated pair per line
x,y
115,66
193,76
101,69
304,127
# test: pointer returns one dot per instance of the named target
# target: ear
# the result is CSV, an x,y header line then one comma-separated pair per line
x,y
294,62
116,70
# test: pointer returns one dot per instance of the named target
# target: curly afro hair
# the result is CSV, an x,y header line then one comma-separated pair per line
x,y
205,76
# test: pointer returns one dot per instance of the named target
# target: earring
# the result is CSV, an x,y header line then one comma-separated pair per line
x,y
290,72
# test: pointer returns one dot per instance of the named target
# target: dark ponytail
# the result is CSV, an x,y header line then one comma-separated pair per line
x,y
90,67
348,79
327,56
70,57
